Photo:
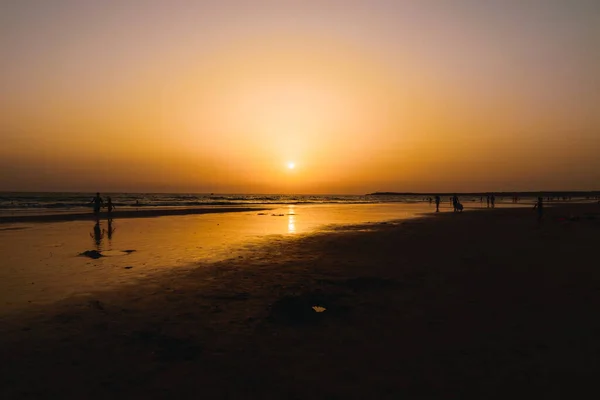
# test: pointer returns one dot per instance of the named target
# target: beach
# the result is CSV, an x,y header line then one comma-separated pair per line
x,y
484,303
328,200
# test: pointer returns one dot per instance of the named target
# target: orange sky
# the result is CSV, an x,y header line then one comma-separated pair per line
x,y
220,96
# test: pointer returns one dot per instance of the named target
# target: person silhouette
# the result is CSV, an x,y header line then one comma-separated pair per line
x,y
98,202
488,201
437,203
493,200
539,205
109,206
455,202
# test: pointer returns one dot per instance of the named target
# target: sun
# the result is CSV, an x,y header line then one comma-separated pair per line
x,y
291,165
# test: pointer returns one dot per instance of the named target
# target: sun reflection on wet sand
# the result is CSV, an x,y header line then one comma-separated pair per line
x,y
291,219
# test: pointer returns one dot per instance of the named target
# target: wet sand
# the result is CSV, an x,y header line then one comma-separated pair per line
x,y
46,262
121,214
485,303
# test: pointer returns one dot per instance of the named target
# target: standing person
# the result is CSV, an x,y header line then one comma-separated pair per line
x,y
109,206
493,200
98,202
540,208
488,201
455,202
437,203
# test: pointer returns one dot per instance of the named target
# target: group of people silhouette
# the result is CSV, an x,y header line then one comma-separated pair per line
x,y
456,204
98,203
98,233
490,200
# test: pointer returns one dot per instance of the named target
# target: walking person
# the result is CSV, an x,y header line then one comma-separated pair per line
x,y
98,202
539,205
109,206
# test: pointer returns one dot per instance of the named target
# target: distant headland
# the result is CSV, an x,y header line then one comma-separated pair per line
x,y
544,193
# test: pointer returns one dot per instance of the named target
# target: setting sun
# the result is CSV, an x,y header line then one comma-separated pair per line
x,y
345,89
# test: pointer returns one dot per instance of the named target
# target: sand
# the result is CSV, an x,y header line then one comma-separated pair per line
x,y
121,214
485,303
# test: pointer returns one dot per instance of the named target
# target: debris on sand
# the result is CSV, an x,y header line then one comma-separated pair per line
x,y
129,251
94,254
300,309
128,267
278,215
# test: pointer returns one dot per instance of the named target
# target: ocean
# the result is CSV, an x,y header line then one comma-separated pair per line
x,y
47,202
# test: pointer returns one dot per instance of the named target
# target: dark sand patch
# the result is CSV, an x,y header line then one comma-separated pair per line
x,y
93,254
15,228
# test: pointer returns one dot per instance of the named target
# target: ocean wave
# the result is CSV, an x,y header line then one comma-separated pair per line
x,y
69,201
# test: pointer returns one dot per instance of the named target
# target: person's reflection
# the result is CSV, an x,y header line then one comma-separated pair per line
x,y
97,234
111,229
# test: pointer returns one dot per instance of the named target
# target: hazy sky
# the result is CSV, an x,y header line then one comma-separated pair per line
x,y
219,96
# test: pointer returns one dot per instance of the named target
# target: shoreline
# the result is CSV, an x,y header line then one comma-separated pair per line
x,y
123,214
500,297
141,212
